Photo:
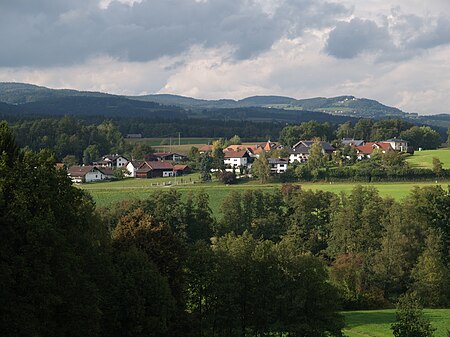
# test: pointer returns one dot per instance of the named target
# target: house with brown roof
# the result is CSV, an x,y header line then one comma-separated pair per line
x,y
368,148
87,174
205,148
236,159
179,169
153,169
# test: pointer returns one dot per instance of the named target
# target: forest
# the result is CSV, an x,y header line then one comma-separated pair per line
x,y
275,263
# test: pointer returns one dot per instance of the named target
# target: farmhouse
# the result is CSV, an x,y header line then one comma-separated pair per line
x,y
368,148
132,166
398,144
87,174
112,161
152,169
235,159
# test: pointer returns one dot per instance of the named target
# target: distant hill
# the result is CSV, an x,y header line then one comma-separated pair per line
x,y
30,100
20,93
342,105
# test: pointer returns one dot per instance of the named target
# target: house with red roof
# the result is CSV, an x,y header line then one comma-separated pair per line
x,y
368,148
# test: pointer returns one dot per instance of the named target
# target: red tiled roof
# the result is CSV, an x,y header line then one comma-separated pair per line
x,y
234,154
236,148
205,148
369,147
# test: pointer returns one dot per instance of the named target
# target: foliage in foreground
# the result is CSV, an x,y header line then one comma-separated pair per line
x,y
410,319
63,273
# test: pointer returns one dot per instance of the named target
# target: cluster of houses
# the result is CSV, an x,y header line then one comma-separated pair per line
x,y
237,158
162,164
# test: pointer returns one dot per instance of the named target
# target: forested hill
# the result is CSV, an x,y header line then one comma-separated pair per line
x,y
20,100
342,105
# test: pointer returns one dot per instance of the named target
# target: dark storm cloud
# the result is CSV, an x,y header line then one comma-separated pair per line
x,y
349,39
47,32
402,37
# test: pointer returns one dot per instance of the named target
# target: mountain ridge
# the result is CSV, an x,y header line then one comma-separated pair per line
x,y
33,99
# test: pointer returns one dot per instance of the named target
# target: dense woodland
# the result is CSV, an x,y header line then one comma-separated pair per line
x,y
274,263
71,136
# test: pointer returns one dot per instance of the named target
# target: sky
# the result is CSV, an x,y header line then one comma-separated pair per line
x,y
394,51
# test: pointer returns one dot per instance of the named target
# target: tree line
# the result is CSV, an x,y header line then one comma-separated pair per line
x,y
281,262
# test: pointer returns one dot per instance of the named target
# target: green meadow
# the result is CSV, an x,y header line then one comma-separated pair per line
x,y
107,193
377,323
424,159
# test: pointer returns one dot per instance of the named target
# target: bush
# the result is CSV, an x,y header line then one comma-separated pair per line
x,y
228,178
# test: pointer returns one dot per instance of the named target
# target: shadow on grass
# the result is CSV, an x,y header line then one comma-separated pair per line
x,y
357,318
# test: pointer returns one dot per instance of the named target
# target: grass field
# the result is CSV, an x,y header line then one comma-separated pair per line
x,y
106,193
167,141
424,159
377,323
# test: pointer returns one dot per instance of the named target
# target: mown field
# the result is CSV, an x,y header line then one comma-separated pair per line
x,y
377,323
106,193
424,159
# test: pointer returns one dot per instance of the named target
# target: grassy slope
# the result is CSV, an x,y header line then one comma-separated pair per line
x,y
425,158
376,323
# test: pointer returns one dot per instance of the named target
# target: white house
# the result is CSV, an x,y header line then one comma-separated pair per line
x,y
300,151
398,144
132,167
278,165
112,161
87,174
300,154
236,159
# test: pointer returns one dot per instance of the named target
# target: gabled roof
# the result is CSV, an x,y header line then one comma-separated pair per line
x,y
351,141
325,145
205,148
157,165
301,149
81,171
106,171
369,147
236,148
179,167
111,157
236,154
135,163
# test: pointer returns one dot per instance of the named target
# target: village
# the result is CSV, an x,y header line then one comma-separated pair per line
x,y
236,159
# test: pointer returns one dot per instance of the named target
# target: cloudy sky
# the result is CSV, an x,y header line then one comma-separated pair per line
x,y
395,51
